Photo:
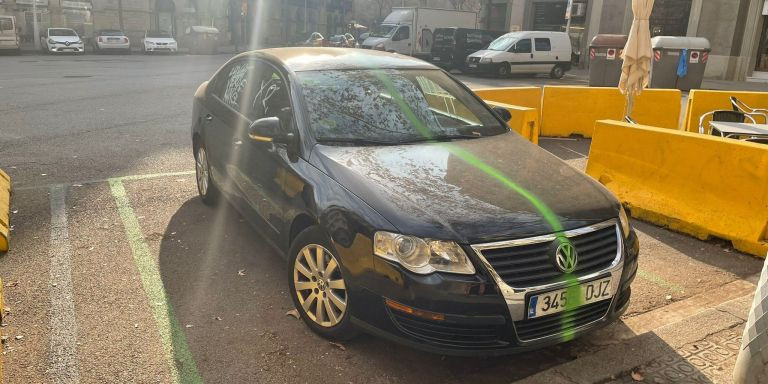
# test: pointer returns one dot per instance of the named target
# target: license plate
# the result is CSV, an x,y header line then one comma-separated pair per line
x,y
557,301
436,58
473,65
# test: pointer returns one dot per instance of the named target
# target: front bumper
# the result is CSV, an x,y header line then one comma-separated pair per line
x,y
72,48
485,68
161,48
481,316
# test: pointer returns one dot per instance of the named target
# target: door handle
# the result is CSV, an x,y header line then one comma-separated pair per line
x,y
237,142
209,117
531,55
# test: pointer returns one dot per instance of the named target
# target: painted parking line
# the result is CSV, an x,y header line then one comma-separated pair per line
x,y
180,360
658,280
62,365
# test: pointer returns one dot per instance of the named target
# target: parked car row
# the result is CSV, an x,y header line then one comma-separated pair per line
x,y
346,40
60,40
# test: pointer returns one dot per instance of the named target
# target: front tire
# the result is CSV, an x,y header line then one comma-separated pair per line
x,y
557,72
208,191
503,70
317,286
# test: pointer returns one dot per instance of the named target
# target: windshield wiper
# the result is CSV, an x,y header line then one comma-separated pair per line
x,y
440,138
355,141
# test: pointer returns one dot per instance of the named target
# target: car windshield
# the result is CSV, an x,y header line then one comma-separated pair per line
x,y
159,35
111,33
383,31
503,43
392,106
61,32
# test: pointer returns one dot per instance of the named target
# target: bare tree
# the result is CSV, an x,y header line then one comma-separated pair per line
x,y
467,5
383,4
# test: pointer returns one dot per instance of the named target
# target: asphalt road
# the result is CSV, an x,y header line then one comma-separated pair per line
x,y
117,270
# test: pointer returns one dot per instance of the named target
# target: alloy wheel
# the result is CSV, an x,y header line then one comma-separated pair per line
x,y
201,171
319,285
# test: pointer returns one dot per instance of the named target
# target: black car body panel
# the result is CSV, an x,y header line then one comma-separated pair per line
x,y
431,190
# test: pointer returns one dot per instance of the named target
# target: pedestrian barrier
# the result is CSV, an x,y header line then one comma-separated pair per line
x,y
2,312
700,185
529,97
524,121
570,110
702,101
752,361
5,213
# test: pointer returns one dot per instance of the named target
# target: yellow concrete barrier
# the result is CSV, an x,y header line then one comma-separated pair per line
x,y
529,97
5,212
701,185
570,111
524,121
702,101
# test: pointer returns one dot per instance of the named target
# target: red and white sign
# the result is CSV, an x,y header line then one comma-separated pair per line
x,y
592,53
704,57
611,55
694,57
657,55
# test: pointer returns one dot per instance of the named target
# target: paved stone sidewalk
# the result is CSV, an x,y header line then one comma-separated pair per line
x,y
707,361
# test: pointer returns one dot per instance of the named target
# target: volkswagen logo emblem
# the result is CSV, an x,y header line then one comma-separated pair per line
x,y
566,257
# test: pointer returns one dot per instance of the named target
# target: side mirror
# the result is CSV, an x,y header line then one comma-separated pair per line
x,y
503,113
269,130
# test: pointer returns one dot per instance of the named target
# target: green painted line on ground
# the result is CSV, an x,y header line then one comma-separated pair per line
x,y
180,360
658,280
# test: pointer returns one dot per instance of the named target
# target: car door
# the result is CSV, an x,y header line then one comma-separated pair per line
x,y
225,123
401,40
522,57
542,55
264,165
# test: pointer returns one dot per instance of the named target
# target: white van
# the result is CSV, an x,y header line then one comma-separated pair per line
x,y
9,36
524,52
408,30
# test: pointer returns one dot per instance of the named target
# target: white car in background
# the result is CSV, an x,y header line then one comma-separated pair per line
x,y
111,40
159,42
56,40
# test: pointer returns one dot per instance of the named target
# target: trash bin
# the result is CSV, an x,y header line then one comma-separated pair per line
x,y
669,52
605,60
202,40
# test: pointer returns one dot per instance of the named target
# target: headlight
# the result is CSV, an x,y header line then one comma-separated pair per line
x,y
149,43
486,60
50,41
422,256
379,46
624,221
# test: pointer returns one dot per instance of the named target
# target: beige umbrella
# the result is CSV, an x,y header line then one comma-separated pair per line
x,y
637,54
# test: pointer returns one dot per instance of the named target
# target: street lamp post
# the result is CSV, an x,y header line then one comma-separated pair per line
x,y
35,27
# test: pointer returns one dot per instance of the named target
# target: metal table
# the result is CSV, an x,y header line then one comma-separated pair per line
x,y
737,130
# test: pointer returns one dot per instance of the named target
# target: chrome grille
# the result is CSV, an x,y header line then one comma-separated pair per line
x,y
528,262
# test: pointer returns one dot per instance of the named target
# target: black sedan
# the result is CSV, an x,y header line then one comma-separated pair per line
x,y
406,207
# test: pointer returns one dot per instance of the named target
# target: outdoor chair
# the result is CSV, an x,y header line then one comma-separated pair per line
x,y
739,106
724,116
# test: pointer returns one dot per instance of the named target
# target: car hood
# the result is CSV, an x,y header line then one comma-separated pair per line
x,y
485,53
64,39
372,41
159,40
447,190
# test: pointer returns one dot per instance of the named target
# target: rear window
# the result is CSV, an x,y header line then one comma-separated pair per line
x,y
543,45
110,33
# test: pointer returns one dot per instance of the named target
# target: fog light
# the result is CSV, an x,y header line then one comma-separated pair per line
x,y
413,311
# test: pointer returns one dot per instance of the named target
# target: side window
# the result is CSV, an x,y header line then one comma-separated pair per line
x,y
522,46
543,45
426,39
268,96
232,84
404,33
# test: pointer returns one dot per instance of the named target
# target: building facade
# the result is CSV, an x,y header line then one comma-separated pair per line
x,y
736,29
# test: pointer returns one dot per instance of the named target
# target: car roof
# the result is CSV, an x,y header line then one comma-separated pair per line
x,y
300,59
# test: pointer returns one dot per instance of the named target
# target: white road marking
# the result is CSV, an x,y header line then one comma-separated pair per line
x,y
63,364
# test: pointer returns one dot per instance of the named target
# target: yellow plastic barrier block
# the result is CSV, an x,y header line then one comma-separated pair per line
x,y
573,110
5,212
2,312
700,185
702,101
524,121
529,97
